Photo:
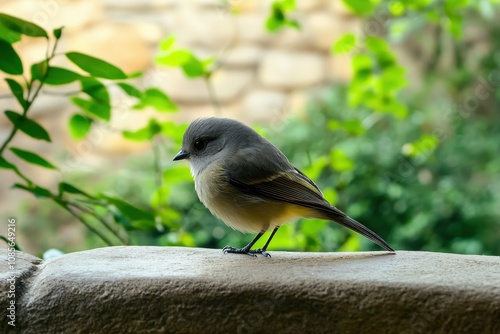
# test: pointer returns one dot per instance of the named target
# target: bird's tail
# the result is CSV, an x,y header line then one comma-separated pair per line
x,y
338,216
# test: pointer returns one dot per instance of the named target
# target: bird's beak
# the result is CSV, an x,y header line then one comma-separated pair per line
x,y
181,155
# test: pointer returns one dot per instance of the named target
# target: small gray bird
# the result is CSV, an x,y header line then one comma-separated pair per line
x,y
249,184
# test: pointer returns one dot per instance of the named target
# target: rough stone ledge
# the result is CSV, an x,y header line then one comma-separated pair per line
x,y
192,290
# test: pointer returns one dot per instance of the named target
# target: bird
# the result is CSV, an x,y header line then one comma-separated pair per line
x,y
250,185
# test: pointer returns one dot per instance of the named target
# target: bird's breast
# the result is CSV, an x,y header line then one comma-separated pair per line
x,y
239,210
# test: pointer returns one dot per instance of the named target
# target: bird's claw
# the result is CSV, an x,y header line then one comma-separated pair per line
x,y
234,250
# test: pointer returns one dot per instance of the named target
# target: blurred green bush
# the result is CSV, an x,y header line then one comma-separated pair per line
x,y
420,167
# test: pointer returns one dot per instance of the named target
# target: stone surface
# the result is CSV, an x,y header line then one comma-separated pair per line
x,y
264,106
12,282
208,28
242,56
73,15
188,290
307,5
227,84
290,70
117,43
250,28
324,28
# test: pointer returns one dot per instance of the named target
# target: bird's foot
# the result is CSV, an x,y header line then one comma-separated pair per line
x,y
234,250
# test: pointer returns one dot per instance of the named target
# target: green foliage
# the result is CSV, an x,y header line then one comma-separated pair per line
x,y
377,78
21,27
192,66
28,126
153,97
344,44
360,7
10,62
94,100
79,126
32,158
418,189
96,67
278,18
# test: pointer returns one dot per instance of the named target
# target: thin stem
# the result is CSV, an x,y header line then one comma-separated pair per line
x,y
29,101
101,220
9,138
157,165
80,219
213,97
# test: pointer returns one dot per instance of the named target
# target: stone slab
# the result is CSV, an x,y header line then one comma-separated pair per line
x,y
192,290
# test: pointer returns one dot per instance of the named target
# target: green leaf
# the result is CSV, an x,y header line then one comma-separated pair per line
x,y
135,74
59,76
315,169
35,190
32,158
422,147
353,127
361,62
22,27
330,195
360,7
71,189
392,78
339,161
277,18
96,67
167,43
6,165
95,89
312,227
93,107
130,211
175,58
119,218
10,62
8,35
130,90
345,44
153,97
17,90
159,197
39,70
144,134
176,174
287,5
79,126
455,25
28,126
143,224
193,67
273,24
57,32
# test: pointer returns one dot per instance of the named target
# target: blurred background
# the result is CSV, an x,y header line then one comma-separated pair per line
x,y
390,106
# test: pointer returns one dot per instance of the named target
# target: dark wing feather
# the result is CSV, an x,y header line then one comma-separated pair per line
x,y
289,185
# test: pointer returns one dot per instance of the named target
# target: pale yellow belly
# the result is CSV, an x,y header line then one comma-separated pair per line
x,y
244,212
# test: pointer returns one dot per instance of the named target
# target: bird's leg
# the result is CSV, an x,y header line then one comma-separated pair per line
x,y
244,250
263,249
247,249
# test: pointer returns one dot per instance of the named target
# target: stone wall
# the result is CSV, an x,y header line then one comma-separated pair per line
x,y
262,77
261,73
192,290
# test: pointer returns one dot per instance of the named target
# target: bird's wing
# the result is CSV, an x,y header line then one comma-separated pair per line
x,y
273,177
292,186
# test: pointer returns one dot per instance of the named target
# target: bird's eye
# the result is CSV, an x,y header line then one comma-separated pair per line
x,y
200,144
